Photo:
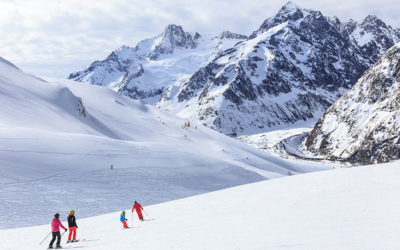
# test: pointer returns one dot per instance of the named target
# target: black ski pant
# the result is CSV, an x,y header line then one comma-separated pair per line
x,y
58,235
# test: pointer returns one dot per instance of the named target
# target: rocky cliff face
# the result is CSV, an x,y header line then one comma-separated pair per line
x,y
291,69
145,71
364,124
370,38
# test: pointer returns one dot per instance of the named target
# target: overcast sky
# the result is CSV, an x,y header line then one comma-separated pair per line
x,y
57,37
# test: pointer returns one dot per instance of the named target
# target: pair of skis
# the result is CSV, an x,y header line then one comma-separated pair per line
x,y
80,240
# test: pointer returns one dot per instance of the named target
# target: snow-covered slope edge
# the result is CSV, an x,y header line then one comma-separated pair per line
x,y
58,140
364,124
31,102
340,209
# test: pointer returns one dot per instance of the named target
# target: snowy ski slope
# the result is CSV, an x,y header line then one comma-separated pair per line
x,y
355,208
59,139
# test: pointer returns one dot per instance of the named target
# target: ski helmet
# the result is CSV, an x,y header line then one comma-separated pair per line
x,y
72,211
123,212
57,215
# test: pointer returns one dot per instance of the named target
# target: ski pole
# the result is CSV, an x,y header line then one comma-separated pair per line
x,y
45,238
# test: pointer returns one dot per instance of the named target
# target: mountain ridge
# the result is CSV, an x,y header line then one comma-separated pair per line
x,y
291,69
144,71
272,75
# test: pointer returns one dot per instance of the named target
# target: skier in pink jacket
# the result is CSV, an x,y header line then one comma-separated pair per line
x,y
55,229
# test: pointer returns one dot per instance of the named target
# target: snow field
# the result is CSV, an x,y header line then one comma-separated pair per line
x,y
58,140
353,208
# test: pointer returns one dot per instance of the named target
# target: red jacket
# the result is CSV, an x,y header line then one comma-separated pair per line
x,y
137,206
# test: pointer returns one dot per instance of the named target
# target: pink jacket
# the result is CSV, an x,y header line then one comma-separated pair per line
x,y
55,225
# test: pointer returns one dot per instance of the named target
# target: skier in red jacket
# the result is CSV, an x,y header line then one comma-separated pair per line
x,y
138,209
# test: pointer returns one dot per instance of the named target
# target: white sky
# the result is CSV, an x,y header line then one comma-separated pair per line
x,y
57,37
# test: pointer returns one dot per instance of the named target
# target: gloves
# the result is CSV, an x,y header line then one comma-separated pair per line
x,y
76,226
65,230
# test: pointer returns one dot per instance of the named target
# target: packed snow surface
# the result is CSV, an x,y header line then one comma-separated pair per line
x,y
355,208
58,140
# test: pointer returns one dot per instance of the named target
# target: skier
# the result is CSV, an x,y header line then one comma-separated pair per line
x,y
123,220
72,227
138,209
55,229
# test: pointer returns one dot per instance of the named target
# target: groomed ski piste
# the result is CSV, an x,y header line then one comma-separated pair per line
x,y
354,208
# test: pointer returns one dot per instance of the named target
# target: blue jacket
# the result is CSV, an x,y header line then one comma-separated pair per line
x,y
123,218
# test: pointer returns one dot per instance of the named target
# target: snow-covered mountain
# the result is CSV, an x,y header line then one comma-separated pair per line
x,y
59,138
370,38
364,124
354,208
145,71
291,69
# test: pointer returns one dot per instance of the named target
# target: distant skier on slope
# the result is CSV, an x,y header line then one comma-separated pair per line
x,y
72,227
123,219
138,209
55,229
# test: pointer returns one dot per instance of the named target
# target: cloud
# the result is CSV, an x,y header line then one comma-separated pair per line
x,y
55,38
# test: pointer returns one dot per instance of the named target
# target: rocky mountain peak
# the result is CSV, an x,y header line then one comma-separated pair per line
x,y
231,35
335,22
348,27
372,19
371,38
173,37
288,12
173,30
122,48
289,7
372,23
